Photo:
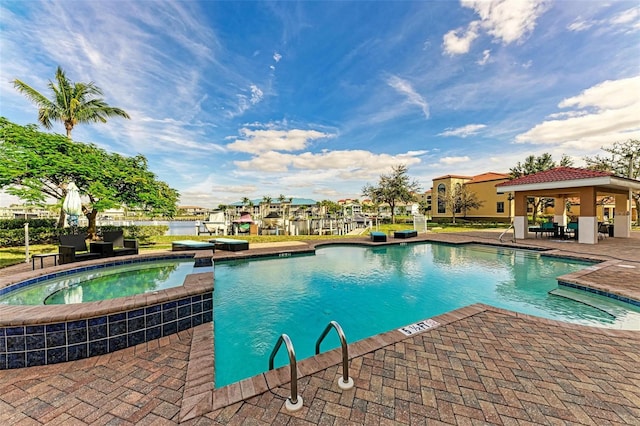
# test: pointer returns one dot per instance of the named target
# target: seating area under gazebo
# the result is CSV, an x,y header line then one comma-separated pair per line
x,y
563,183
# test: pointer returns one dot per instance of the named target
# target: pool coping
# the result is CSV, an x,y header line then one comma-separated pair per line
x,y
201,397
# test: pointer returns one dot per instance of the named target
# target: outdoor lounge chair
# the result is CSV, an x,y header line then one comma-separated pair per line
x,y
407,233
230,244
378,237
121,246
73,248
192,245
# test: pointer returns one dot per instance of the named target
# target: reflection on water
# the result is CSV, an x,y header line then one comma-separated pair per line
x,y
104,283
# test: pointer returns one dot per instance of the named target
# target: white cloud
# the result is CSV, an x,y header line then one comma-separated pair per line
x,y
628,18
463,132
256,94
328,160
507,21
277,57
260,141
610,94
603,114
625,21
457,42
454,160
580,25
486,55
413,97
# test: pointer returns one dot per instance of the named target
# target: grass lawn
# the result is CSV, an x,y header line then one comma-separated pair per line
x,y
14,255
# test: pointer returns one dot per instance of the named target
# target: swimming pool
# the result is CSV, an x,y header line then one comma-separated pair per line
x,y
90,285
370,290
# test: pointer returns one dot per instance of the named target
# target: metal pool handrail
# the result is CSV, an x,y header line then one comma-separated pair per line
x,y
345,382
513,240
293,402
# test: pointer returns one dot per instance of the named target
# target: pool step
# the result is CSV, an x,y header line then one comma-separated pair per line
x,y
588,299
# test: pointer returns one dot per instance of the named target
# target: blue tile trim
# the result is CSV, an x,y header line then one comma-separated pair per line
x,y
601,293
33,345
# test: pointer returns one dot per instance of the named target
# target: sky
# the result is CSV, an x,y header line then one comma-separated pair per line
x,y
316,99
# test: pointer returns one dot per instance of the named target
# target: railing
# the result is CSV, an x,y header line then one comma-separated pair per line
x,y
344,382
294,402
513,240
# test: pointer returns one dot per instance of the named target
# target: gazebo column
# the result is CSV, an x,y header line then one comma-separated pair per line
x,y
588,221
622,216
560,211
520,219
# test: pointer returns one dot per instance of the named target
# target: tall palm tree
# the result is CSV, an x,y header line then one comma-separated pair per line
x,y
71,103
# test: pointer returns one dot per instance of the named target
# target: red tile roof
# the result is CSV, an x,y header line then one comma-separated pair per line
x,y
453,177
484,177
556,175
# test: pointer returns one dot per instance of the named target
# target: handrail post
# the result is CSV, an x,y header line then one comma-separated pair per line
x,y
294,402
345,382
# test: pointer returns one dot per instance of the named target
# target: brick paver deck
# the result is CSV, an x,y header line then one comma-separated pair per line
x,y
482,365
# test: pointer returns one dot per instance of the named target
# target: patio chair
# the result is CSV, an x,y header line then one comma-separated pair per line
x,y
73,248
121,246
548,228
603,230
572,229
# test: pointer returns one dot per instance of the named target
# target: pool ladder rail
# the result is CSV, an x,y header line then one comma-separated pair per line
x,y
294,402
513,239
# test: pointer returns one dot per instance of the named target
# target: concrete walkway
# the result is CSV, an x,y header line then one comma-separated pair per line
x,y
480,365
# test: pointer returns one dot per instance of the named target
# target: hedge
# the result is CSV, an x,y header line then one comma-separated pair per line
x,y
44,231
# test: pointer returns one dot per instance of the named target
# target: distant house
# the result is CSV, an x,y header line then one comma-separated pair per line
x,y
193,210
294,207
495,207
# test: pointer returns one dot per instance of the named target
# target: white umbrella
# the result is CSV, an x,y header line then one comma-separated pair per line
x,y
72,205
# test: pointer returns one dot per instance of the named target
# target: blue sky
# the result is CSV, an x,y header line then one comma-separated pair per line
x,y
315,99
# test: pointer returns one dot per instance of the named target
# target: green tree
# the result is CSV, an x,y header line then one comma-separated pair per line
x,y
393,188
37,166
70,103
460,200
623,161
533,164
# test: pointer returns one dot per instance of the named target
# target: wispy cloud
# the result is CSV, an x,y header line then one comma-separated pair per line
x,y
463,132
627,21
486,56
413,97
454,160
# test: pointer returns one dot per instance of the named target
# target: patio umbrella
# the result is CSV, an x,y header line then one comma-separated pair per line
x,y
72,205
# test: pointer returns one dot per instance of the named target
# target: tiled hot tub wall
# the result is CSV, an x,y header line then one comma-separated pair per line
x,y
40,335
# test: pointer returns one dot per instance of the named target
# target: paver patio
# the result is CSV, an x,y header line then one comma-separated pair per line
x,y
482,365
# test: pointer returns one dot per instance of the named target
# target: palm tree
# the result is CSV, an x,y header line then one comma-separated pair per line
x,y
266,205
72,103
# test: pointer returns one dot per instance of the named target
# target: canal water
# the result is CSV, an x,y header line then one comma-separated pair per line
x,y
176,227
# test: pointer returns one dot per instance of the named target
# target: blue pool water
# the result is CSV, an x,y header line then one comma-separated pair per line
x,y
103,283
373,290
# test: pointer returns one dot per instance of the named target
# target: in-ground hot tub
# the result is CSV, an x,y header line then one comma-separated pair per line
x,y
49,334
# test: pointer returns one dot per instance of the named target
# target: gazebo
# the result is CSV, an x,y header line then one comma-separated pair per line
x,y
562,183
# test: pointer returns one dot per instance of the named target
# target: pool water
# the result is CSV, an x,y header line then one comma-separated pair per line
x,y
374,290
104,283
